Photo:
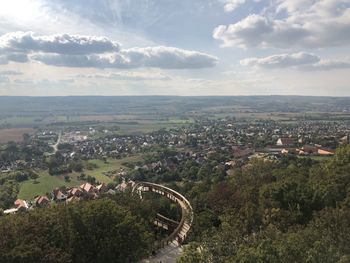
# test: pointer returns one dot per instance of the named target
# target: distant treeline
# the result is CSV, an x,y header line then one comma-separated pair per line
x,y
163,105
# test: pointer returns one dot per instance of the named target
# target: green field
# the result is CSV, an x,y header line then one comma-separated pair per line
x,y
46,183
110,166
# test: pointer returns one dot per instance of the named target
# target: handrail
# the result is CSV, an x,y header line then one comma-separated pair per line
x,y
186,210
167,219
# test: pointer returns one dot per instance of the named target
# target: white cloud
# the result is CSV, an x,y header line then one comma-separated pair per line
x,y
281,60
167,57
59,43
95,52
330,65
15,57
291,23
150,57
245,33
301,60
231,5
129,76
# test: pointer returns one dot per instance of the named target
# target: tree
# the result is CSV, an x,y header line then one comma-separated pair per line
x,y
92,231
192,254
8,194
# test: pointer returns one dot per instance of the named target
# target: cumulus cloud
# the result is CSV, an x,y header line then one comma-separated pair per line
x,y
291,23
231,5
149,57
167,57
281,60
245,33
95,52
60,43
301,60
15,57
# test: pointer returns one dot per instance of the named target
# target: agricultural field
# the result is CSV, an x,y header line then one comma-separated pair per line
x,y
14,134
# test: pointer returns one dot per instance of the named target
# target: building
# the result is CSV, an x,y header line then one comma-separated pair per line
x,y
88,188
42,200
287,141
75,191
59,195
21,204
325,152
102,188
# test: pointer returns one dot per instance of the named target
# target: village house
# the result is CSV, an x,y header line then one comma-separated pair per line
x,y
102,188
123,186
59,195
21,205
88,188
75,191
42,201
286,141
325,152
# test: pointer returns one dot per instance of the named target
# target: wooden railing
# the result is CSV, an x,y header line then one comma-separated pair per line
x,y
186,210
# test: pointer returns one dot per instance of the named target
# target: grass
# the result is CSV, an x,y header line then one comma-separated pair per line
x,y
111,166
46,182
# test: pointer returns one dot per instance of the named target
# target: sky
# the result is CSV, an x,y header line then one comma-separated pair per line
x,y
168,47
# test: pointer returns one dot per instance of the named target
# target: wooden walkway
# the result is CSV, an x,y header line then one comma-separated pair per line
x,y
169,248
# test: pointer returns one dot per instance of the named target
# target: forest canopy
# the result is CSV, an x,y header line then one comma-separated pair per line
x,y
294,210
92,231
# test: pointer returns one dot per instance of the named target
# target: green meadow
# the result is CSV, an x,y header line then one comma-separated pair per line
x,y
46,182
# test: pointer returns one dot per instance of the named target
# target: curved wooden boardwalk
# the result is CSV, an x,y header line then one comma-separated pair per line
x,y
170,247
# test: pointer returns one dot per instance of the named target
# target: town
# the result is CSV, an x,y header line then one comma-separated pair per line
x,y
163,154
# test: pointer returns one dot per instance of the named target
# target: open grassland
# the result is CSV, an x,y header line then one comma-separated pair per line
x,y
112,166
15,134
46,182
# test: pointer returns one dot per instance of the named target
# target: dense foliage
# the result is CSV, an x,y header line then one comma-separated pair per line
x,y
8,194
294,210
103,230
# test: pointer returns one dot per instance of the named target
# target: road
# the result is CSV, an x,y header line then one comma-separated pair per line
x,y
55,146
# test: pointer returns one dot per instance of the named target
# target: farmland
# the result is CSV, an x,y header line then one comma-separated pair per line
x,y
14,134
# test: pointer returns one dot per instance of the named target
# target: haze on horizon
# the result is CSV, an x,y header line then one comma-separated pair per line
x,y
197,47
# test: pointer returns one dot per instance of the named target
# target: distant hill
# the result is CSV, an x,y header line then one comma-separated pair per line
x,y
166,105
